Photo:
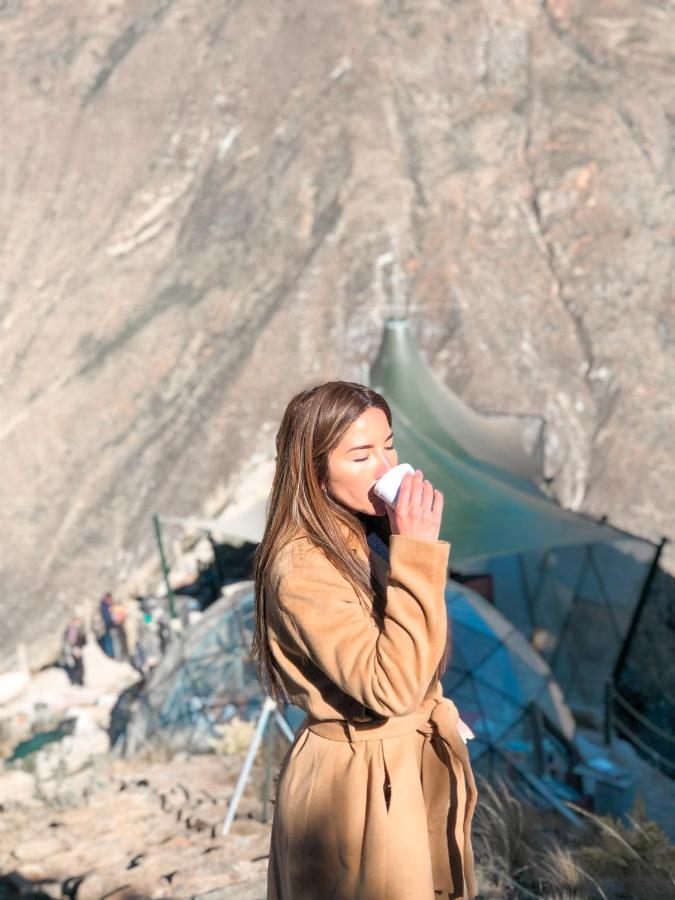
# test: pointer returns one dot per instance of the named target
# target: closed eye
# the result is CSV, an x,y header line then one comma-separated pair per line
x,y
364,458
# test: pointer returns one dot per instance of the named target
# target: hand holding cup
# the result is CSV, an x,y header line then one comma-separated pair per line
x,y
416,509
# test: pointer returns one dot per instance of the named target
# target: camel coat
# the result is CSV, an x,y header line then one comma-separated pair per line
x,y
375,796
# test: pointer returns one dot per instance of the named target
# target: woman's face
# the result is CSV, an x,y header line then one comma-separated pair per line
x,y
364,454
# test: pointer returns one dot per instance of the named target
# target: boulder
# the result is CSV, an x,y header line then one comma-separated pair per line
x,y
70,755
16,786
104,675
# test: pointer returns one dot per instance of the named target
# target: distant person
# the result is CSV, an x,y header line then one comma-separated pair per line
x,y
74,639
118,631
112,635
105,625
163,631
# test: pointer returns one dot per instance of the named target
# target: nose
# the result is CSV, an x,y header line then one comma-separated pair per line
x,y
382,468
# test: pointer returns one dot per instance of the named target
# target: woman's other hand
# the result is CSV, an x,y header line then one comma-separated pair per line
x,y
418,510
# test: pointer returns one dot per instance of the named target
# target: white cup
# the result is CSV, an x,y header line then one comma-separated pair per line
x,y
388,486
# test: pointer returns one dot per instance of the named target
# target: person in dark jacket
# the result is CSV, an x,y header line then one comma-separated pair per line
x,y
107,624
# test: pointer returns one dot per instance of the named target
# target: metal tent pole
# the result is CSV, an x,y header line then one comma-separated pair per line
x,y
646,587
269,706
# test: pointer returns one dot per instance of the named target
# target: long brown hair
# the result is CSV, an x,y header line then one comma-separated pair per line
x,y
312,425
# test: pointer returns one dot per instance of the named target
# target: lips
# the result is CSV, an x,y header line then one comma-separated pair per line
x,y
377,502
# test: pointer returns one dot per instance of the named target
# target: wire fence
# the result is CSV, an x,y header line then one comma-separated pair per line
x,y
622,717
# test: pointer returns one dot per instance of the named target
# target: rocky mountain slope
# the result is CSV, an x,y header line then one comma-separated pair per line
x,y
207,207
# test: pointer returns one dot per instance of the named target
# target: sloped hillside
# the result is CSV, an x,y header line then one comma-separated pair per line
x,y
208,206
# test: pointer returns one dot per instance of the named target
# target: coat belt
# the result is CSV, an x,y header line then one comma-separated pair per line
x,y
437,717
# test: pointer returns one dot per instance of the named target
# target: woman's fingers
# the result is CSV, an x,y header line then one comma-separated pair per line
x,y
418,509
416,491
404,491
427,497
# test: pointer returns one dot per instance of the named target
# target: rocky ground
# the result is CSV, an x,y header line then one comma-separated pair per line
x,y
151,828
77,821
140,830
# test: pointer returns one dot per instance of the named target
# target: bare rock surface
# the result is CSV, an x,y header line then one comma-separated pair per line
x,y
207,207
16,787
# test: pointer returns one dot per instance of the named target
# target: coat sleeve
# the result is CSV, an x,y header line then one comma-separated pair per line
x,y
387,670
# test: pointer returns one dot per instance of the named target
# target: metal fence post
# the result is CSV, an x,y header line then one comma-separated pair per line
x,y
609,712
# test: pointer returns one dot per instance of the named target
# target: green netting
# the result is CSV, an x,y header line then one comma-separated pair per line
x,y
570,583
484,516
510,446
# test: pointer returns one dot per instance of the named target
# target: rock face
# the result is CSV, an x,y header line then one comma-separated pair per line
x,y
209,207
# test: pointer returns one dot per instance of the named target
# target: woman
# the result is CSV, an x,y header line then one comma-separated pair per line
x,y
376,795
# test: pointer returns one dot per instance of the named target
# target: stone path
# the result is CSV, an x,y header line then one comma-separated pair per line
x,y
142,830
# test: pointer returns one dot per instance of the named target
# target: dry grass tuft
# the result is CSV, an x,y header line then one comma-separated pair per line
x,y
234,737
523,852
503,841
637,857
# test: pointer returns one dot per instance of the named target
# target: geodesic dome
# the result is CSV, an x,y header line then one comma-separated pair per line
x,y
494,676
502,688
205,678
